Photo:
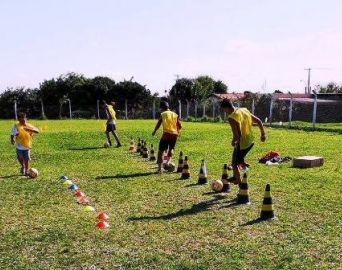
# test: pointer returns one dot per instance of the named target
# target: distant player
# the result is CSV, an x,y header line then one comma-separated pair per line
x,y
111,122
171,128
21,136
241,121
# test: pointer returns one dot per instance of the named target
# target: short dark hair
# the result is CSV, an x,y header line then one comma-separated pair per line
x,y
164,105
226,103
21,115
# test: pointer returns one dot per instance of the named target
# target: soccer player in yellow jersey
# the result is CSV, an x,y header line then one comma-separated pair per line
x,y
21,136
241,121
111,122
171,127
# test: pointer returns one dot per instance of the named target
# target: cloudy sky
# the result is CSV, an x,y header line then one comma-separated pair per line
x,y
244,43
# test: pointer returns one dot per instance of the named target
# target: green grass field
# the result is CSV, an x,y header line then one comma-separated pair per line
x,y
160,221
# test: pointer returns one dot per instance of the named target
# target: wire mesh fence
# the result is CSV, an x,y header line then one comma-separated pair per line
x,y
292,112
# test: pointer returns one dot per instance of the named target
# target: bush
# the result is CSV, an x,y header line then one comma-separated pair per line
x,y
205,119
218,119
191,119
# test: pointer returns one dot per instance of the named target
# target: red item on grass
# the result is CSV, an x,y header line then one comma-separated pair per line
x,y
102,225
102,216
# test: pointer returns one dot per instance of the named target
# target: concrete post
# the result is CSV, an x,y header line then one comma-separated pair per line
x,y
314,114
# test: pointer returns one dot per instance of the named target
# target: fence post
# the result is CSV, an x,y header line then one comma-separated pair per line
x,y
180,109
271,108
195,109
290,110
42,108
126,109
187,109
253,106
314,114
154,109
69,108
15,110
98,108
213,109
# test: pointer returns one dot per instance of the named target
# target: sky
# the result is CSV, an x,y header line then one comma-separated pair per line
x,y
255,45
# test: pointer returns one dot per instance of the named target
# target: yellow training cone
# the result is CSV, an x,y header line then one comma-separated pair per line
x,y
89,208
67,183
243,196
267,209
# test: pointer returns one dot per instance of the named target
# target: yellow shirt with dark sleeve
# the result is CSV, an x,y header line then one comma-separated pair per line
x,y
23,137
169,120
244,119
111,114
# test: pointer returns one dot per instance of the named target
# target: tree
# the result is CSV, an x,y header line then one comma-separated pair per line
x,y
198,89
203,87
220,87
331,87
181,90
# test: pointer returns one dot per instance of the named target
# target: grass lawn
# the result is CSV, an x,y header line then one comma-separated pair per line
x,y
159,221
335,126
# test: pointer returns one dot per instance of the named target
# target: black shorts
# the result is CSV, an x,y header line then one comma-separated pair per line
x,y
110,127
239,154
167,141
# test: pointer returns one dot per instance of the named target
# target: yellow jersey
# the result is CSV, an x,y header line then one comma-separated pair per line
x,y
244,119
111,114
23,137
169,119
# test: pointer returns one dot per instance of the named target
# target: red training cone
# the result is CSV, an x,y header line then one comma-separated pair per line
x,y
83,200
102,225
102,216
79,193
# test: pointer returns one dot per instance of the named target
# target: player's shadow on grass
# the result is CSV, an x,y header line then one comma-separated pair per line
x,y
195,185
10,176
231,203
86,148
196,208
251,222
118,176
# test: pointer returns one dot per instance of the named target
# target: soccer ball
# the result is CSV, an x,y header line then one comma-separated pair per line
x,y
170,167
106,145
32,173
217,185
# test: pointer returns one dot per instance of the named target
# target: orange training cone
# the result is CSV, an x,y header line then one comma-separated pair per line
x,y
131,146
186,170
267,209
202,176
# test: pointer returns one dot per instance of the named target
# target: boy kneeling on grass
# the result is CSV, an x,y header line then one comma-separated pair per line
x,y
241,121
21,136
171,128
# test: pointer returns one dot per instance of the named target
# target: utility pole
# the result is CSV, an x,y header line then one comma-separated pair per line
x,y
308,87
